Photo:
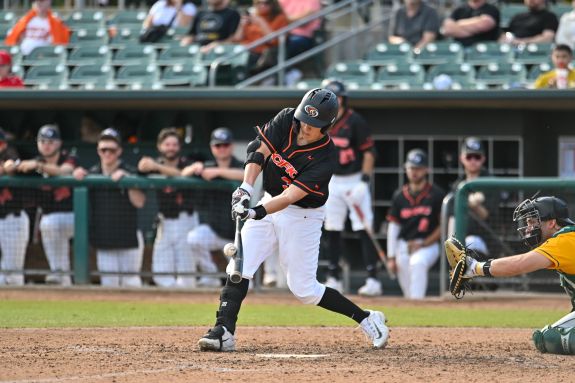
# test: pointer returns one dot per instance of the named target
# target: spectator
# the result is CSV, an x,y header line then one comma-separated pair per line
x,y
215,25
413,231
113,219
14,222
57,222
537,25
176,215
472,22
302,38
265,17
216,228
170,12
566,31
415,23
38,28
7,78
562,76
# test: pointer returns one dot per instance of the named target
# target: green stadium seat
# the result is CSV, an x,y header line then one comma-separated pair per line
x,y
491,52
458,84
534,53
8,18
135,54
190,74
128,17
18,70
137,74
461,73
309,83
52,54
400,76
94,74
508,11
441,52
90,54
177,54
4,29
502,74
14,51
231,71
85,17
126,35
47,76
383,54
360,73
537,70
89,35
561,9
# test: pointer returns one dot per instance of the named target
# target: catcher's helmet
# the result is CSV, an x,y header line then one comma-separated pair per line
x,y
318,108
531,212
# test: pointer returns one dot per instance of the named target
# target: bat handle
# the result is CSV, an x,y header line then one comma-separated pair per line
x,y
236,274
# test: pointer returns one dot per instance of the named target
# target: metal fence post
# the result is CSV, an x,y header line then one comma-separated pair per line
x,y
81,247
460,211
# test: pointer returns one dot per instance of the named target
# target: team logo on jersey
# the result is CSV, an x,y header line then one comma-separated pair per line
x,y
311,111
281,163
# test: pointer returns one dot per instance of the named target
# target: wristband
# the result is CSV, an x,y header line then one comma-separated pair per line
x,y
365,178
487,268
260,212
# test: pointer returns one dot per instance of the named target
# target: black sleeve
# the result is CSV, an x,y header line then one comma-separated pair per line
x,y
234,21
194,28
550,22
432,23
316,177
457,14
276,131
393,212
364,140
492,11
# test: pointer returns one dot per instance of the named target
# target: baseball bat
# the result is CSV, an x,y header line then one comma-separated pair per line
x,y
236,275
374,240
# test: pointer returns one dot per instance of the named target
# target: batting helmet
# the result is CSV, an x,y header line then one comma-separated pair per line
x,y
531,212
318,108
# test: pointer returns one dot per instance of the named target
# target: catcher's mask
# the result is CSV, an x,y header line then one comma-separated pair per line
x,y
531,212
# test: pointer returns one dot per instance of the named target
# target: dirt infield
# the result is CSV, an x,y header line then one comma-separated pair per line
x,y
169,354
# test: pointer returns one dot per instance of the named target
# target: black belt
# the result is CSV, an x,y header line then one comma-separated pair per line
x,y
15,214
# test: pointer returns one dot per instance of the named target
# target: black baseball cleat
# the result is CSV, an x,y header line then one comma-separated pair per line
x,y
218,339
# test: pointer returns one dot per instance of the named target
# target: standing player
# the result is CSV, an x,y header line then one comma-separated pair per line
x,y
57,222
176,214
348,187
296,157
413,231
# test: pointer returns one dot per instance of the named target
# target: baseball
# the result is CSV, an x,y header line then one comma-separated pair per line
x,y
230,250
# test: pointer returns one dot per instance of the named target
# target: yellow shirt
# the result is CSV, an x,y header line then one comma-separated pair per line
x,y
560,249
542,81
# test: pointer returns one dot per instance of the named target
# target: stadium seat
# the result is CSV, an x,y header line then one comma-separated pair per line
x,y
383,54
52,54
85,17
400,76
309,83
90,54
508,11
502,74
126,35
89,35
177,54
561,9
460,73
360,73
190,74
491,52
4,29
47,76
18,70
7,18
537,70
137,74
95,74
231,71
135,54
442,52
534,53
128,17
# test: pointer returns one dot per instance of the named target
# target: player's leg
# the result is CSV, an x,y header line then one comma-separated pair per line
x,y
558,338
202,241
163,255
57,229
403,268
419,264
15,233
335,215
108,262
130,261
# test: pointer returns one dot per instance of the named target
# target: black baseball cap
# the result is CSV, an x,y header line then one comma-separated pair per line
x,y
416,158
221,136
553,208
473,145
111,134
49,132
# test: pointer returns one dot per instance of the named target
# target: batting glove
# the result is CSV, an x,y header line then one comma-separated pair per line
x,y
240,197
256,213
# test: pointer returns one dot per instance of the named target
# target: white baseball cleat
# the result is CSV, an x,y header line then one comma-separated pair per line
x,y
218,339
372,288
375,329
333,283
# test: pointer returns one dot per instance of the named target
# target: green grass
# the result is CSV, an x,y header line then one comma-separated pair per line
x,y
20,314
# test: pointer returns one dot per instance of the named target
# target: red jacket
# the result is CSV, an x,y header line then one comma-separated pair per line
x,y
11,81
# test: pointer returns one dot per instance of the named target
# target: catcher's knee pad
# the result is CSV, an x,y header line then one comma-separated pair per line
x,y
555,340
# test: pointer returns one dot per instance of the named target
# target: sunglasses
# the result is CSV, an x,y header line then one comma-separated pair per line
x,y
476,157
222,145
46,142
108,150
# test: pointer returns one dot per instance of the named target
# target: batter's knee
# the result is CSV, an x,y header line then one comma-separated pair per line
x,y
307,293
555,340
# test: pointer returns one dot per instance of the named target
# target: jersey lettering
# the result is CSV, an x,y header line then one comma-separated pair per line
x,y
346,156
281,163
287,182
61,193
423,225
5,196
409,212
340,142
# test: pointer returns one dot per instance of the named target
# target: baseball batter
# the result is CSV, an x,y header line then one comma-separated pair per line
x,y
545,226
413,231
297,159
350,186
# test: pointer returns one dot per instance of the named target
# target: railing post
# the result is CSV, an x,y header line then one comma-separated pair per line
x,y
444,224
281,59
81,247
460,213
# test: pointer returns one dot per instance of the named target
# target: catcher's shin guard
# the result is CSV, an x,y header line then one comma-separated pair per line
x,y
555,340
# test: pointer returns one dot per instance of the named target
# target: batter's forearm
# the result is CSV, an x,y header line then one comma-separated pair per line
x,y
169,171
368,163
251,173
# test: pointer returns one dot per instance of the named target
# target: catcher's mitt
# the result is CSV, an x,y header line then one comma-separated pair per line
x,y
459,258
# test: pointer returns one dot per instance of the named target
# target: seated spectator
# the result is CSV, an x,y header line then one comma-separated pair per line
x,y
302,38
472,22
566,31
562,76
7,78
217,24
37,28
537,25
114,216
266,17
415,23
170,13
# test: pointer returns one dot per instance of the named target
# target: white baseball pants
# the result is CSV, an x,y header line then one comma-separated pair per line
x,y
171,253
203,240
293,233
14,236
412,269
57,230
121,261
339,205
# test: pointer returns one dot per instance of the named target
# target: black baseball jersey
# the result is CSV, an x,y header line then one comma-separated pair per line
x,y
11,199
308,167
418,215
113,218
351,137
54,199
172,201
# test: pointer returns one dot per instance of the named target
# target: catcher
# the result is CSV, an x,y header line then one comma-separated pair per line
x,y
546,228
